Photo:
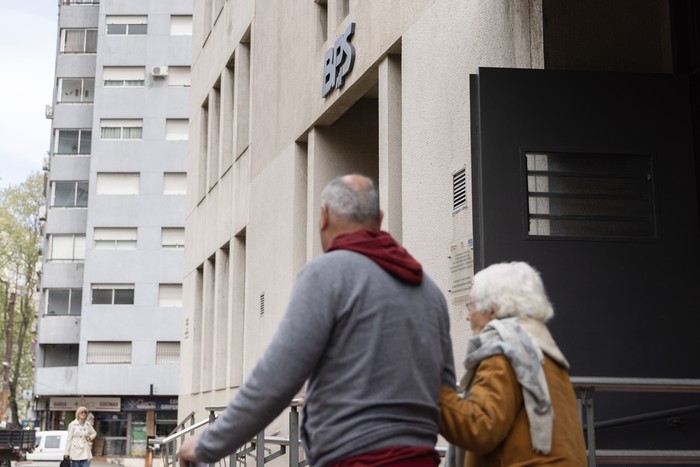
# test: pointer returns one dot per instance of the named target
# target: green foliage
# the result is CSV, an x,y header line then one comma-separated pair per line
x,y
20,243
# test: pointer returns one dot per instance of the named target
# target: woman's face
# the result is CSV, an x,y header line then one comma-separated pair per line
x,y
82,415
478,318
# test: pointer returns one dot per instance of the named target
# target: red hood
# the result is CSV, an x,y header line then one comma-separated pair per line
x,y
380,247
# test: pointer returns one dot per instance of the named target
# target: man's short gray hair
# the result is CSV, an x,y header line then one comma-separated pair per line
x,y
514,290
351,201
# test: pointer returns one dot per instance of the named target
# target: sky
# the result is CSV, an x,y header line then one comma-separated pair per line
x,y
27,64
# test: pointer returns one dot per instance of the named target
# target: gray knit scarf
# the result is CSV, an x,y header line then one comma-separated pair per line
x,y
508,337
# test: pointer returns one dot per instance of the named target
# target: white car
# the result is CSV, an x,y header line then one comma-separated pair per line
x,y
49,446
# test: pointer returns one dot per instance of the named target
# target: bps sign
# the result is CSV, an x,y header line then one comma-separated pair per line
x,y
338,61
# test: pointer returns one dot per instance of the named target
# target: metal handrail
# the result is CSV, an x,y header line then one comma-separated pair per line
x,y
182,432
254,448
584,386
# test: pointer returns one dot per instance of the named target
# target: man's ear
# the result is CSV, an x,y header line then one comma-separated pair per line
x,y
323,221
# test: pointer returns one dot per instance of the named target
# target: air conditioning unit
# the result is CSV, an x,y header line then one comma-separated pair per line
x,y
49,111
42,213
159,71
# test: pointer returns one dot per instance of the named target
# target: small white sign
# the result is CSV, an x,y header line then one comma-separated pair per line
x,y
461,268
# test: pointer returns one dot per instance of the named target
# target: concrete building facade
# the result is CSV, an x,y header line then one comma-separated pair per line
x,y
287,95
110,314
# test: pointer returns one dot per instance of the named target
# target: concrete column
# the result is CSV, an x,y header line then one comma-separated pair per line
x,y
241,99
390,173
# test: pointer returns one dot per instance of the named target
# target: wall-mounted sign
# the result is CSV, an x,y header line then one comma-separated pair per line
x,y
461,275
338,61
93,404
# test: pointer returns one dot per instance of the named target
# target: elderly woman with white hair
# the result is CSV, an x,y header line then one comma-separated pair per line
x,y
519,406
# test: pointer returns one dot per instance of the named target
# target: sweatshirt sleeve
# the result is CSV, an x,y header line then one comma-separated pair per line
x,y
288,361
482,420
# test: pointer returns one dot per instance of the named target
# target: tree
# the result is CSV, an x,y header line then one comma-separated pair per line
x,y
20,243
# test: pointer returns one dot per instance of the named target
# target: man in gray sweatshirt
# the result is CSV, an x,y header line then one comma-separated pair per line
x,y
370,333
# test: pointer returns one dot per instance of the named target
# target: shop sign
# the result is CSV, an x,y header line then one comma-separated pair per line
x,y
93,404
338,61
136,404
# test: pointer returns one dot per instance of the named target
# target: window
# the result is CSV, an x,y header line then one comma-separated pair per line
x,y
590,195
79,41
170,295
117,184
52,442
57,355
127,25
176,129
172,237
174,183
181,25
179,76
66,248
81,2
76,89
108,352
115,238
112,294
124,76
121,129
69,194
73,142
167,353
64,301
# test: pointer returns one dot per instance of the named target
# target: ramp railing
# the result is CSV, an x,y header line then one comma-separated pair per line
x,y
586,387
259,449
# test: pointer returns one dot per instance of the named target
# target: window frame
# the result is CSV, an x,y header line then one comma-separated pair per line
x,y
113,288
167,301
76,191
69,306
75,247
115,243
123,127
92,356
124,20
84,99
81,141
165,353
84,49
172,246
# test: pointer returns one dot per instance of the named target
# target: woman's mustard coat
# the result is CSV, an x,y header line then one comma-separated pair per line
x,y
492,422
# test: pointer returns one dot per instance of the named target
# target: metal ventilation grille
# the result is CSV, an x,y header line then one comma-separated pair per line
x,y
459,190
262,303
590,195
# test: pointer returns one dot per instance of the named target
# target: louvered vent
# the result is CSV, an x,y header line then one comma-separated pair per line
x,y
459,190
262,303
590,195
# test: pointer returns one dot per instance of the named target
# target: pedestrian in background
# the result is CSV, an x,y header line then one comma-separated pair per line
x,y
370,333
79,440
520,407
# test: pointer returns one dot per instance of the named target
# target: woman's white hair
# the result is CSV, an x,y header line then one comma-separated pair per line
x,y
512,289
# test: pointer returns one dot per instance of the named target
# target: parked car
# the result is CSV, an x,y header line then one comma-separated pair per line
x,y
49,446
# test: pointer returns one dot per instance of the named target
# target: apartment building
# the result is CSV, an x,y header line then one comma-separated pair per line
x,y
498,130
111,285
